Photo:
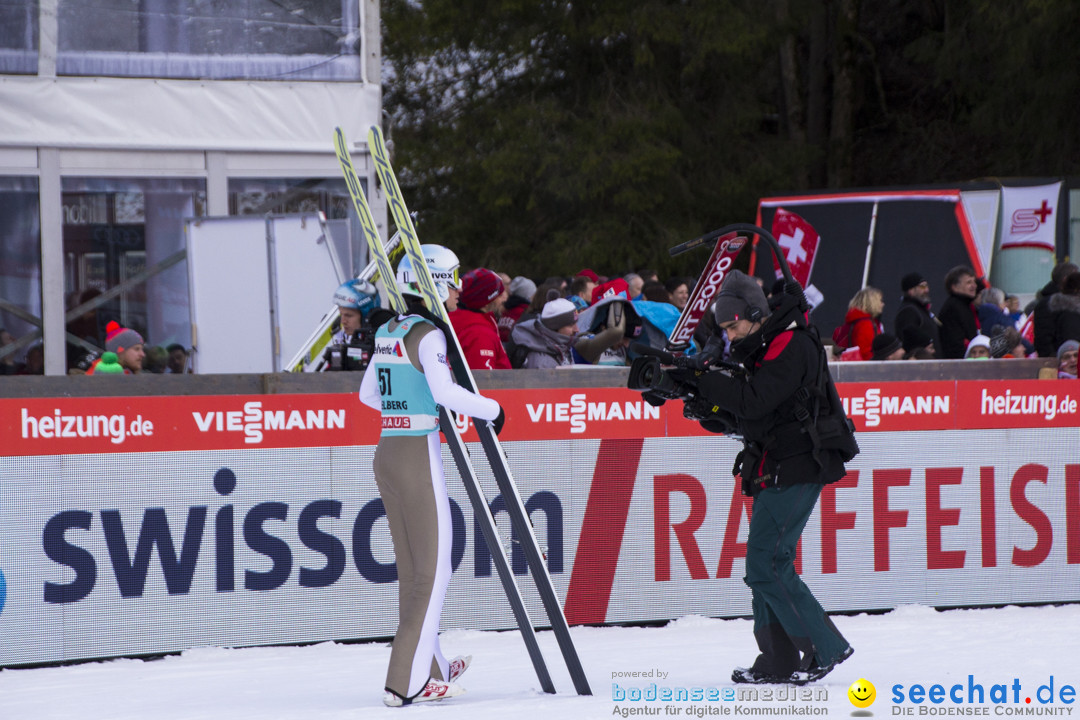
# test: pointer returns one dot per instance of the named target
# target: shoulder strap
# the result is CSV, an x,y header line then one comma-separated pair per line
x,y
856,321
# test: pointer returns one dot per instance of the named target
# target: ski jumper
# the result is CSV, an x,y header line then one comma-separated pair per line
x,y
407,380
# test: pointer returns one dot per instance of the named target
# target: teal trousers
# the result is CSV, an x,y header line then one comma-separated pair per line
x,y
790,626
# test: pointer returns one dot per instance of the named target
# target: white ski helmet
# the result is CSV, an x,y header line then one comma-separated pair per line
x,y
442,264
357,294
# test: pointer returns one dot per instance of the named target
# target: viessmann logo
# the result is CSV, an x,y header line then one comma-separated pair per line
x,y
253,420
872,405
580,411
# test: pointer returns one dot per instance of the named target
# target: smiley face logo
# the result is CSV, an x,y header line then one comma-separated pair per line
x,y
862,693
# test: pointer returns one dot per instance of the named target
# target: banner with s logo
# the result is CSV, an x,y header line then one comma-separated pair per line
x,y
1028,216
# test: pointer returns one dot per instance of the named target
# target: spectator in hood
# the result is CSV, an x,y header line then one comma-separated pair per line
x,y
978,348
1043,320
1065,310
474,320
1067,355
549,338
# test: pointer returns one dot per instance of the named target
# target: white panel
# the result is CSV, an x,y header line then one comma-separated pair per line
x,y
136,113
981,207
114,162
229,282
305,279
290,165
18,160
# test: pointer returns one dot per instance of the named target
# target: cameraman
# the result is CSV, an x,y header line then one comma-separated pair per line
x,y
783,467
352,344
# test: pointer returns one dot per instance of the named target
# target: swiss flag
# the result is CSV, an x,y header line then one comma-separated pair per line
x,y
799,241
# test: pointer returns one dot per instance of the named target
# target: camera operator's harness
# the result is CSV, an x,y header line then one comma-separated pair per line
x,y
819,424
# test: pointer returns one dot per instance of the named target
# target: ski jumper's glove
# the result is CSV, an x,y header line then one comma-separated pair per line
x,y
497,423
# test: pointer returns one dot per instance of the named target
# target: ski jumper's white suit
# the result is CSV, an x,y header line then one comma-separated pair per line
x,y
407,380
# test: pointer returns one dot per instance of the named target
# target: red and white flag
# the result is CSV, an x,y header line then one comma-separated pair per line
x,y
1028,218
799,241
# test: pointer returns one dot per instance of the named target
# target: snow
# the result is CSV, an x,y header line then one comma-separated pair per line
x,y
332,681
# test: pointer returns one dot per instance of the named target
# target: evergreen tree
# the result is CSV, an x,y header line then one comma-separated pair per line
x,y
538,137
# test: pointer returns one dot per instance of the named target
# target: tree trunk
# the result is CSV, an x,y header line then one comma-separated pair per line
x,y
841,142
793,116
817,103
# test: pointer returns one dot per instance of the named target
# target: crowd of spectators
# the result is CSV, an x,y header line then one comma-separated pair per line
x,y
584,319
114,349
974,321
589,319
592,319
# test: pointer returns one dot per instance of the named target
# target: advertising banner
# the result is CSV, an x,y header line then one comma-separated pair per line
x,y
1028,216
148,525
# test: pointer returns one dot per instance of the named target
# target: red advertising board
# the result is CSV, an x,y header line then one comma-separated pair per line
x,y
64,426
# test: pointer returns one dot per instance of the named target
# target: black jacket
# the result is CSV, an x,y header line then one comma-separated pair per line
x,y
781,358
913,313
959,324
1065,315
1042,324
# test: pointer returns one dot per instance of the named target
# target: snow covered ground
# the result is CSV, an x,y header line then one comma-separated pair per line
x,y
1017,648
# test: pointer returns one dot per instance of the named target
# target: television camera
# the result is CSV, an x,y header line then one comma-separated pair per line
x,y
679,381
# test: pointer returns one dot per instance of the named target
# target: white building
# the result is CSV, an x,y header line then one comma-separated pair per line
x,y
121,118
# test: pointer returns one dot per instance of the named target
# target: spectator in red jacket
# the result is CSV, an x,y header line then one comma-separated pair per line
x,y
862,322
474,322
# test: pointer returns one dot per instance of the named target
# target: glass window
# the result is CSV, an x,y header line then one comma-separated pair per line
x,y
115,230
218,39
258,196
18,37
20,277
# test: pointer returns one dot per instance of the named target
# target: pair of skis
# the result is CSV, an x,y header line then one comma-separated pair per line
x,y
519,517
